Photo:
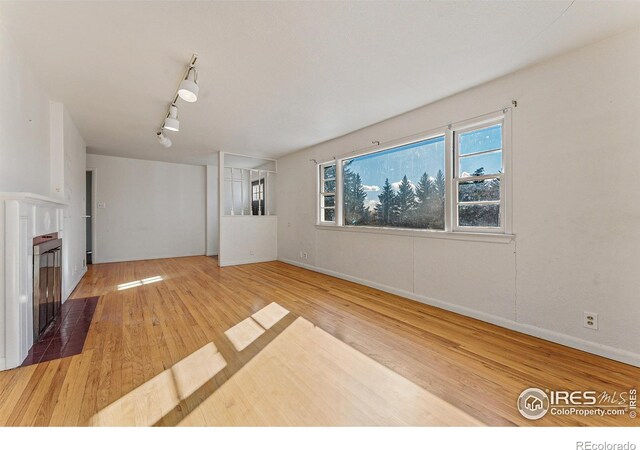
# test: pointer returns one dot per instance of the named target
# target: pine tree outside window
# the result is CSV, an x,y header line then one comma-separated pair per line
x,y
401,187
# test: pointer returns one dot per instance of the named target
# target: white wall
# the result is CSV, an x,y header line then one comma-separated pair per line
x,y
213,227
68,167
247,239
153,209
575,211
24,125
74,239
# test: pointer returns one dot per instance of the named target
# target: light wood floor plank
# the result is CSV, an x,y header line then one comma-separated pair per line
x,y
137,333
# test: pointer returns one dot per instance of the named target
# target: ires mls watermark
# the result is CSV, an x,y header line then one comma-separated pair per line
x,y
535,403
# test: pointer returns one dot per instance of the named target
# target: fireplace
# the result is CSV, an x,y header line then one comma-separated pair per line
x,y
47,281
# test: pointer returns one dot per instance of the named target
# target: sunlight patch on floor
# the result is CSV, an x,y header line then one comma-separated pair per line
x,y
132,284
270,315
307,377
151,401
244,333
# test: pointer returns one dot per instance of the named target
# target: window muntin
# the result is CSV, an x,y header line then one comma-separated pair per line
x,y
328,192
402,187
478,178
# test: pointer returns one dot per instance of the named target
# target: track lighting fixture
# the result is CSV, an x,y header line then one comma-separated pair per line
x,y
163,139
188,91
171,122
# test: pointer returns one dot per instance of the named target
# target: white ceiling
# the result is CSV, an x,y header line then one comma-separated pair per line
x,y
279,76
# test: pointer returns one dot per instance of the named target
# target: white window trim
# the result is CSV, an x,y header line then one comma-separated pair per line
x,y
419,233
502,117
322,193
502,234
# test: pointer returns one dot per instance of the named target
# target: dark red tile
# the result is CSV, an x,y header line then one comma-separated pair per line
x,y
72,320
43,341
50,357
41,346
29,360
69,324
54,349
74,315
82,327
75,347
38,354
77,339
59,343
47,335
67,335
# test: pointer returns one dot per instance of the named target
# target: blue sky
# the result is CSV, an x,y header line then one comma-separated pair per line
x,y
410,160
425,156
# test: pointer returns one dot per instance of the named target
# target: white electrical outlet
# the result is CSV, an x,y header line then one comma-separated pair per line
x,y
102,205
590,320
304,255
251,252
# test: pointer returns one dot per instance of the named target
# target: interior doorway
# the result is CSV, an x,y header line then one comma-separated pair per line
x,y
257,197
89,216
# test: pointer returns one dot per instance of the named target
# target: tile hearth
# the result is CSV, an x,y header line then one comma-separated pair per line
x,y
65,337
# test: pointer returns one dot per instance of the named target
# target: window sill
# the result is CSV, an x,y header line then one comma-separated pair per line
x,y
248,215
428,234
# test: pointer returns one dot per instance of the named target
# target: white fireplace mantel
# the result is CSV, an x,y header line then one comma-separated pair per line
x,y
23,215
29,197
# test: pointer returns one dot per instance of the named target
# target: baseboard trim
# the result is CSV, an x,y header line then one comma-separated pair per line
x,y
144,258
239,262
542,333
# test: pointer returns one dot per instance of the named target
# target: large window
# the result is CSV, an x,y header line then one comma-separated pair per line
x,y
451,180
401,187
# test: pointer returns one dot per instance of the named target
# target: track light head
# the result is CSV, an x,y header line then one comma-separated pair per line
x,y
171,122
163,139
188,90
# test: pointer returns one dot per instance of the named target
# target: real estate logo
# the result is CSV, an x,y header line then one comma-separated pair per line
x,y
533,403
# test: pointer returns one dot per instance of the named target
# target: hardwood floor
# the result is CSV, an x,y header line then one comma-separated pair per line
x,y
306,376
146,328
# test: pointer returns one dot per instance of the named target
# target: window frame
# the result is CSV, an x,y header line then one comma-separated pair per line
x,y
322,194
451,229
456,132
